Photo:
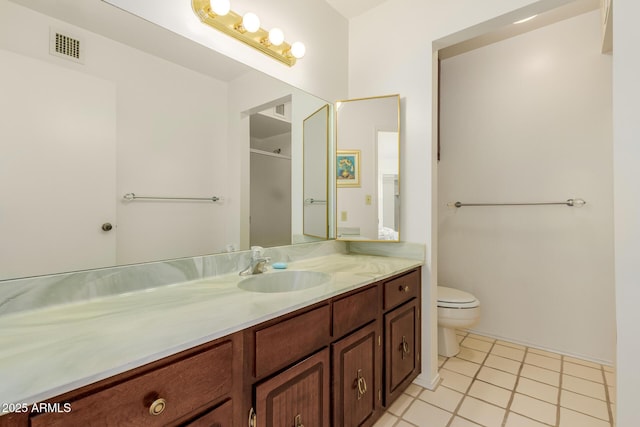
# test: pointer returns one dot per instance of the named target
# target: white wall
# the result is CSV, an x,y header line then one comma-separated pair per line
x,y
391,51
164,116
529,119
626,128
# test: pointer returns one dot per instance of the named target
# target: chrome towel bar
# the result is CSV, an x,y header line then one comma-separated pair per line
x,y
132,196
578,203
311,201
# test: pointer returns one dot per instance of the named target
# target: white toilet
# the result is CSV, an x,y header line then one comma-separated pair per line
x,y
456,310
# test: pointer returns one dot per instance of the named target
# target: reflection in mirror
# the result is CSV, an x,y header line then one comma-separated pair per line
x,y
315,187
270,171
141,110
368,169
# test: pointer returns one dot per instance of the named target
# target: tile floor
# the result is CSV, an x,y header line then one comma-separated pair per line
x,y
493,383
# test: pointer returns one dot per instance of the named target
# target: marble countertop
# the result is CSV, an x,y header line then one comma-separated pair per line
x,y
52,350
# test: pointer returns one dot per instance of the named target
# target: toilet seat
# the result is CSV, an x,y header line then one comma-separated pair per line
x,y
455,298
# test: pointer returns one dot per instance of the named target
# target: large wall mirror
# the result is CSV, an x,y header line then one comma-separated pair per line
x,y
138,110
368,169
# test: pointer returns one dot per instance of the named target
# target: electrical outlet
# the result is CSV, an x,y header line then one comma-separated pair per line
x,y
343,216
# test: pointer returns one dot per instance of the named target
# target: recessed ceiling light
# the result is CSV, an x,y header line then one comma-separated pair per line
x,y
525,19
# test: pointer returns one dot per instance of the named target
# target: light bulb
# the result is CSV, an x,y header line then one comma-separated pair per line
x,y
251,22
298,50
525,20
276,36
220,7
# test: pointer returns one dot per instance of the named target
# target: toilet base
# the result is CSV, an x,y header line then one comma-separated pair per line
x,y
447,342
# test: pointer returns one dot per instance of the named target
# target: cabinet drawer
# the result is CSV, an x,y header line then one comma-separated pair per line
x,y
285,342
401,289
185,386
222,416
356,310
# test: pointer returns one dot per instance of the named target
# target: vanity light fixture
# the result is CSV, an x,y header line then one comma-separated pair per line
x,y
218,14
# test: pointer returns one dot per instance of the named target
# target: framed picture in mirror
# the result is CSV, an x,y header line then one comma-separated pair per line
x,y
348,168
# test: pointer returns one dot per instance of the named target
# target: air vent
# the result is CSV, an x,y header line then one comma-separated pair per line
x,y
66,46
280,110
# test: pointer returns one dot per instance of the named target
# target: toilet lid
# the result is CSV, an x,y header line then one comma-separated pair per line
x,y
455,298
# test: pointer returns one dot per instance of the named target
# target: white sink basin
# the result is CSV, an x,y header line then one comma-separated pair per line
x,y
285,281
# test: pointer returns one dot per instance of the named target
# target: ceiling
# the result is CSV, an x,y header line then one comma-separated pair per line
x,y
352,8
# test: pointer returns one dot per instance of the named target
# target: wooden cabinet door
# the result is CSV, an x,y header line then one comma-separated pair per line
x,y
357,366
296,397
402,349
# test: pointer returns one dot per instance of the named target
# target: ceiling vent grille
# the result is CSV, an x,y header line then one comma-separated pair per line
x,y
65,46
280,110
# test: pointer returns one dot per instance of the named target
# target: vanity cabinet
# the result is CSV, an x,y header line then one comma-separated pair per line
x,y
401,333
195,388
338,362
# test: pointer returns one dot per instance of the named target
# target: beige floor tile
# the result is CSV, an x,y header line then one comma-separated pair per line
x,y
461,422
540,374
544,353
508,352
582,362
481,412
612,394
517,420
420,411
442,397
476,344
403,423
538,390
414,390
499,378
569,418
471,355
462,366
387,420
400,405
608,368
490,393
586,387
455,380
543,361
511,344
610,378
503,364
582,372
534,408
481,338
587,405
441,361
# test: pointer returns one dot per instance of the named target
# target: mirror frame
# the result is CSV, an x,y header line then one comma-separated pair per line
x,y
327,176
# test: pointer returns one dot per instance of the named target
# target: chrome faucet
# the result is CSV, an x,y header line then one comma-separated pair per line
x,y
258,262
